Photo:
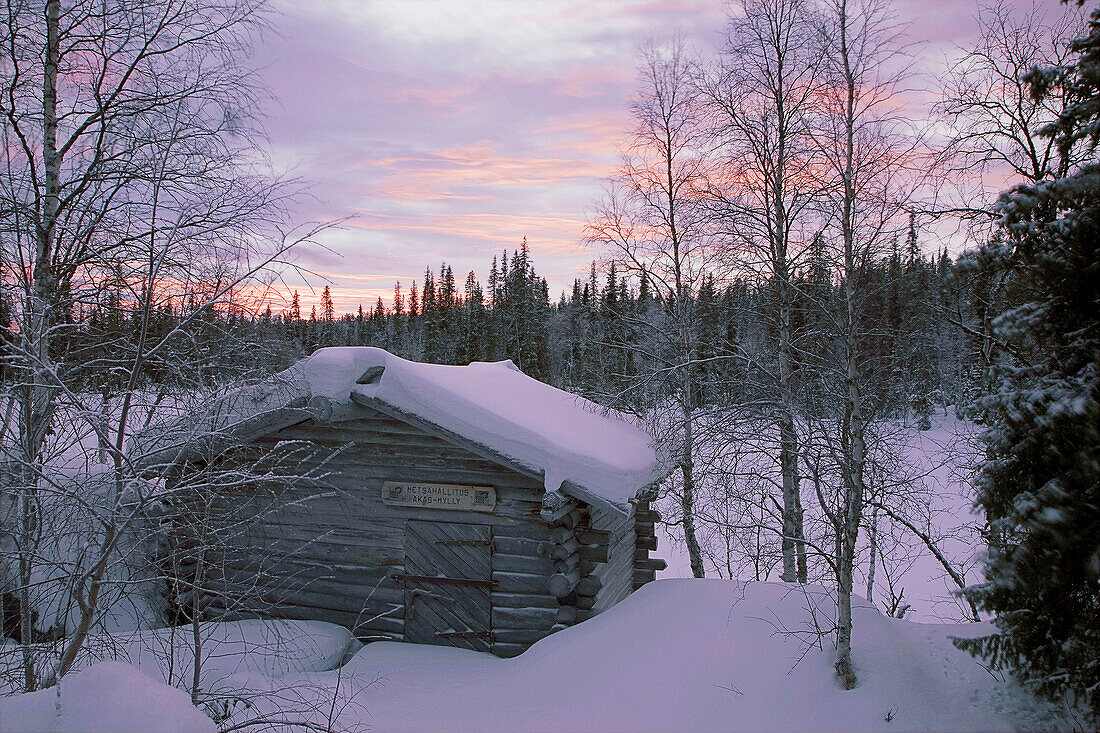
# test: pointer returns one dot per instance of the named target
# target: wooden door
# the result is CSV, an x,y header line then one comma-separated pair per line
x,y
448,581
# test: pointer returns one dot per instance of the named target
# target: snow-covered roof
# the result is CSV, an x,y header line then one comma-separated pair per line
x,y
576,446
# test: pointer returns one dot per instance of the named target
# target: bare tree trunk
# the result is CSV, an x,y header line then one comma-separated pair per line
x,y
88,605
873,552
37,405
875,169
851,437
687,496
761,97
659,184
852,426
103,427
196,611
852,444
794,547
853,458
687,350
26,617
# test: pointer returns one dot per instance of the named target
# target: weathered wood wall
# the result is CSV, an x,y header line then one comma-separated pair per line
x,y
330,554
617,573
645,534
332,557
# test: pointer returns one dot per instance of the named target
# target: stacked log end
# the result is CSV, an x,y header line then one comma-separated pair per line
x,y
576,550
594,548
645,523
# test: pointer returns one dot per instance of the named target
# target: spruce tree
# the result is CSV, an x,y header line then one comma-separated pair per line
x,y
295,313
398,323
328,309
1040,486
707,337
475,324
451,331
429,309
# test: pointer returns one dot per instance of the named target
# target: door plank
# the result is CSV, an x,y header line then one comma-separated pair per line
x,y
471,562
462,612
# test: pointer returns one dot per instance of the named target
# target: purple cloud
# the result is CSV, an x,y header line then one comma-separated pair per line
x,y
449,130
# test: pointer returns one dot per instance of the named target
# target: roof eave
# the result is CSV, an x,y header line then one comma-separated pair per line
x,y
593,499
198,444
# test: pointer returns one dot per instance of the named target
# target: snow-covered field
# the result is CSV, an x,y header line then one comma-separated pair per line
x,y
677,655
680,654
938,463
686,655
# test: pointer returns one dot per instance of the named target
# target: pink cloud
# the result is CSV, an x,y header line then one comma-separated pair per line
x,y
466,172
548,233
456,133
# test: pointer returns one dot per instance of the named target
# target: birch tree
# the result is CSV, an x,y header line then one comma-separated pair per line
x,y
131,159
870,159
761,95
994,137
651,225
993,120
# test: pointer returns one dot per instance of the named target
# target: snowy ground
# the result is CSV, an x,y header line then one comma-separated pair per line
x,y
680,654
686,655
239,657
677,655
107,698
939,463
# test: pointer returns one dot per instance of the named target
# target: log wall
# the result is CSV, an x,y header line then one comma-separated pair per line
x,y
617,574
645,533
330,553
330,557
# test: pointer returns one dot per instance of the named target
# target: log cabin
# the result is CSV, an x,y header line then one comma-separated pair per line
x,y
470,506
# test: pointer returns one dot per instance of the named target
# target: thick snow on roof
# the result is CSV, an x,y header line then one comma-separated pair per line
x,y
564,437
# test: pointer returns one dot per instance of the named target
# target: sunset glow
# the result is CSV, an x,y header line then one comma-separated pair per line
x,y
448,131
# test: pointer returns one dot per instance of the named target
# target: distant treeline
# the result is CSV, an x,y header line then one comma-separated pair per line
x,y
604,338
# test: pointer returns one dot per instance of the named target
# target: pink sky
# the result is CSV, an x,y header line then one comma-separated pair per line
x,y
450,129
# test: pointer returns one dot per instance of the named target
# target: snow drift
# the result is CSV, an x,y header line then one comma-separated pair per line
x,y
109,697
678,655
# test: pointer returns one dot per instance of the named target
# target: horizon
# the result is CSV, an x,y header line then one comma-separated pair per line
x,y
448,132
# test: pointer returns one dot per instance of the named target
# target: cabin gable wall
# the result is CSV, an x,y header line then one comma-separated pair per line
x,y
616,575
339,552
332,556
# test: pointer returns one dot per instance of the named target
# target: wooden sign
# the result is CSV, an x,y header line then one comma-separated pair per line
x,y
439,496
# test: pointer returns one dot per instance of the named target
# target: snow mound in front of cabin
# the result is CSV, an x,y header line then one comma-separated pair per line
x,y
267,647
241,660
233,652
678,655
564,437
108,697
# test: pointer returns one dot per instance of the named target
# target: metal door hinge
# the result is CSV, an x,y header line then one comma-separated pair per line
x,y
401,578
465,635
